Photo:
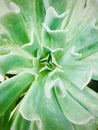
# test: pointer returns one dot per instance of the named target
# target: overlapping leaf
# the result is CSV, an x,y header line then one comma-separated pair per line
x,y
43,109
11,89
52,45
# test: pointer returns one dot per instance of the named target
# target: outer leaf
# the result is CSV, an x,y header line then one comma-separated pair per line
x,y
92,61
13,61
87,44
5,38
17,122
78,75
75,34
42,109
89,126
11,89
87,98
4,50
59,6
33,13
4,120
52,34
14,23
73,113
86,13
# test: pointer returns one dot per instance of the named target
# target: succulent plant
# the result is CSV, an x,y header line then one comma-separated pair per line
x,y
48,55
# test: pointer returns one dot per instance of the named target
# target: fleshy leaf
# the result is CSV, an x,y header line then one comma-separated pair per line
x,y
87,44
4,119
11,89
52,34
53,38
89,126
86,97
33,14
14,23
13,61
32,47
92,62
78,75
78,20
59,6
18,122
45,109
5,38
4,50
56,42
73,113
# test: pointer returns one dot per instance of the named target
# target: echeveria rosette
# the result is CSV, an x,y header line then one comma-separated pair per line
x,y
51,48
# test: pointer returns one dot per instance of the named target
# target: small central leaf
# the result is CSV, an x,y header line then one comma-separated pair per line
x,y
47,60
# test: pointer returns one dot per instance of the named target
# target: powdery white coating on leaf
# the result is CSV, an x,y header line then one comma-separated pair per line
x,y
55,83
75,53
14,7
52,49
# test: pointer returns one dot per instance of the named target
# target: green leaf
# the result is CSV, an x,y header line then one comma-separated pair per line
x,y
33,14
4,119
73,113
52,34
92,62
59,6
87,44
32,48
11,89
61,39
5,38
43,109
78,75
13,61
17,122
14,23
89,126
82,13
4,50
86,97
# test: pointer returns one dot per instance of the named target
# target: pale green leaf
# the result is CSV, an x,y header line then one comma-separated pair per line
x,y
43,109
13,61
73,113
79,75
14,23
52,34
11,89
33,13
86,97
